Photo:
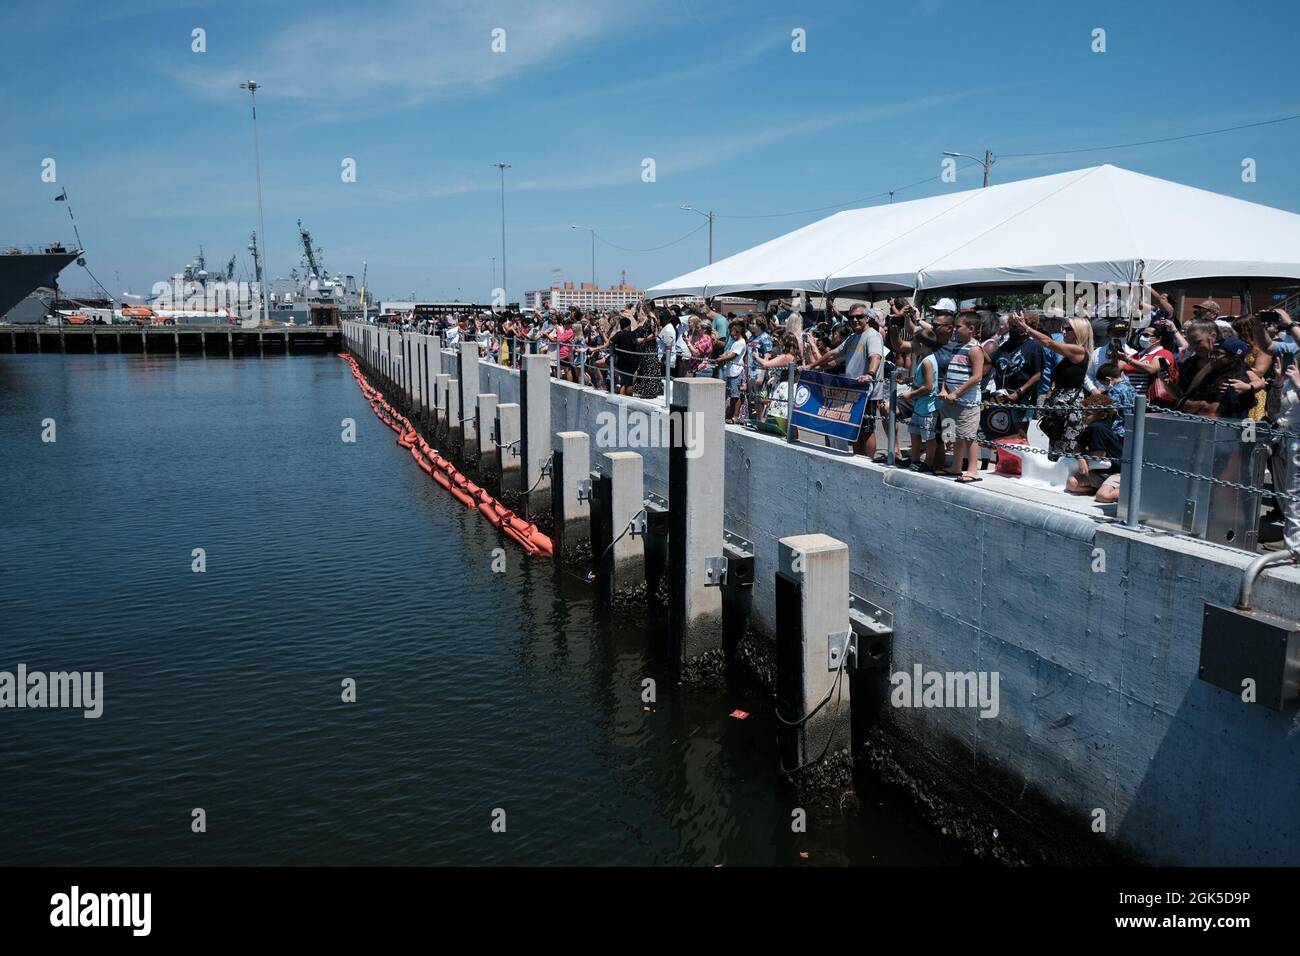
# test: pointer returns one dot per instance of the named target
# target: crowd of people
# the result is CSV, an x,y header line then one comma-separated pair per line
x,y
1071,376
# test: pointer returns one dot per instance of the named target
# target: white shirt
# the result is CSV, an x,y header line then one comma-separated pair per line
x,y
736,366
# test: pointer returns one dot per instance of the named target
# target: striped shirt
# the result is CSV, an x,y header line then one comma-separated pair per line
x,y
958,374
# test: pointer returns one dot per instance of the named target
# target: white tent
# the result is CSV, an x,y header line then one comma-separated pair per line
x,y
1102,224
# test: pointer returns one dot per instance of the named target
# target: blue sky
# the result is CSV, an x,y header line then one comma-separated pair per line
x,y
154,145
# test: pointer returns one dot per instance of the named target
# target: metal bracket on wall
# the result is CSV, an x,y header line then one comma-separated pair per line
x,y
739,543
636,523
739,555
584,489
839,643
656,510
715,572
873,626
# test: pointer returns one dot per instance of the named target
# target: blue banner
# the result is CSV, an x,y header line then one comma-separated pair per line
x,y
830,405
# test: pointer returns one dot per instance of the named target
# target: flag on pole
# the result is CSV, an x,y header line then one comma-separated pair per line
x,y
62,197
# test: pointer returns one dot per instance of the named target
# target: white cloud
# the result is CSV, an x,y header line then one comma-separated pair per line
x,y
411,52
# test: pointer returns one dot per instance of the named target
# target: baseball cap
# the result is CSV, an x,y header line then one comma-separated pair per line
x,y
1209,305
945,305
1235,345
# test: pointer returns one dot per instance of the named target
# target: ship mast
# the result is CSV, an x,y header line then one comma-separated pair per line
x,y
309,253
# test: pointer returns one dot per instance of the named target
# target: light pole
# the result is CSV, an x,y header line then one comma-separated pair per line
x,y
709,216
505,293
986,162
592,230
252,87
494,273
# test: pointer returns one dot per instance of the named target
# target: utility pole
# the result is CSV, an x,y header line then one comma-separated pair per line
x,y
709,216
987,162
252,88
505,291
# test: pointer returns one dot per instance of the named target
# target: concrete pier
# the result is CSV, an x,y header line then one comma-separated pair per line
x,y
619,554
812,614
1092,630
417,374
441,385
570,467
485,413
696,465
454,414
535,449
508,442
426,381
225,339
467,373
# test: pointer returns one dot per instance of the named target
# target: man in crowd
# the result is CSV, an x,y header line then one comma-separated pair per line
x,y
1018,368
626,347
862,353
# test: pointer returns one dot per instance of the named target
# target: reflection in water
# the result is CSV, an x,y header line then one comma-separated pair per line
x,y
325,561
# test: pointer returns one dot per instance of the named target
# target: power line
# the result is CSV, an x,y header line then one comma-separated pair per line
x,y
1150,142
653,248
1060,152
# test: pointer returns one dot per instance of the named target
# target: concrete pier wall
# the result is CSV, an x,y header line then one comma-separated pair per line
x,y
1099,707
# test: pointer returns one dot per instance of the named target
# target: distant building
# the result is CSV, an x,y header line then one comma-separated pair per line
x,y
583,295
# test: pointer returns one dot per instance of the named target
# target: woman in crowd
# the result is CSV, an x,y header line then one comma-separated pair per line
x,y
702,347
1157,348
776,404
568,370
1064,422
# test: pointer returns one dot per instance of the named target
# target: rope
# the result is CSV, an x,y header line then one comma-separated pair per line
x,y
834,689
549,458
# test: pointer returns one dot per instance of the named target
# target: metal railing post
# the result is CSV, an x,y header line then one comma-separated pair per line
x,y
1133,454
893,421
791,376
613,360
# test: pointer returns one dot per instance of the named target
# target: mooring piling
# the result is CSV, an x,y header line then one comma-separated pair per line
x,y
535,448
695,541
813,646
570,491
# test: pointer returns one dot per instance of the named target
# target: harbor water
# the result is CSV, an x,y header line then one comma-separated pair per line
x,y
477,690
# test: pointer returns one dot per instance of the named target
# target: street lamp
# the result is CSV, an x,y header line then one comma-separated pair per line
x,y
709,216
504,288
252,87
986,162
592,229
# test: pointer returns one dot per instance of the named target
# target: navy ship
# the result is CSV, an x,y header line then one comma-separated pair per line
x,y
24,271
314,297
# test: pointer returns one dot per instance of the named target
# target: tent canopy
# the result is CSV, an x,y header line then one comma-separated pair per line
x,y
1102,224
